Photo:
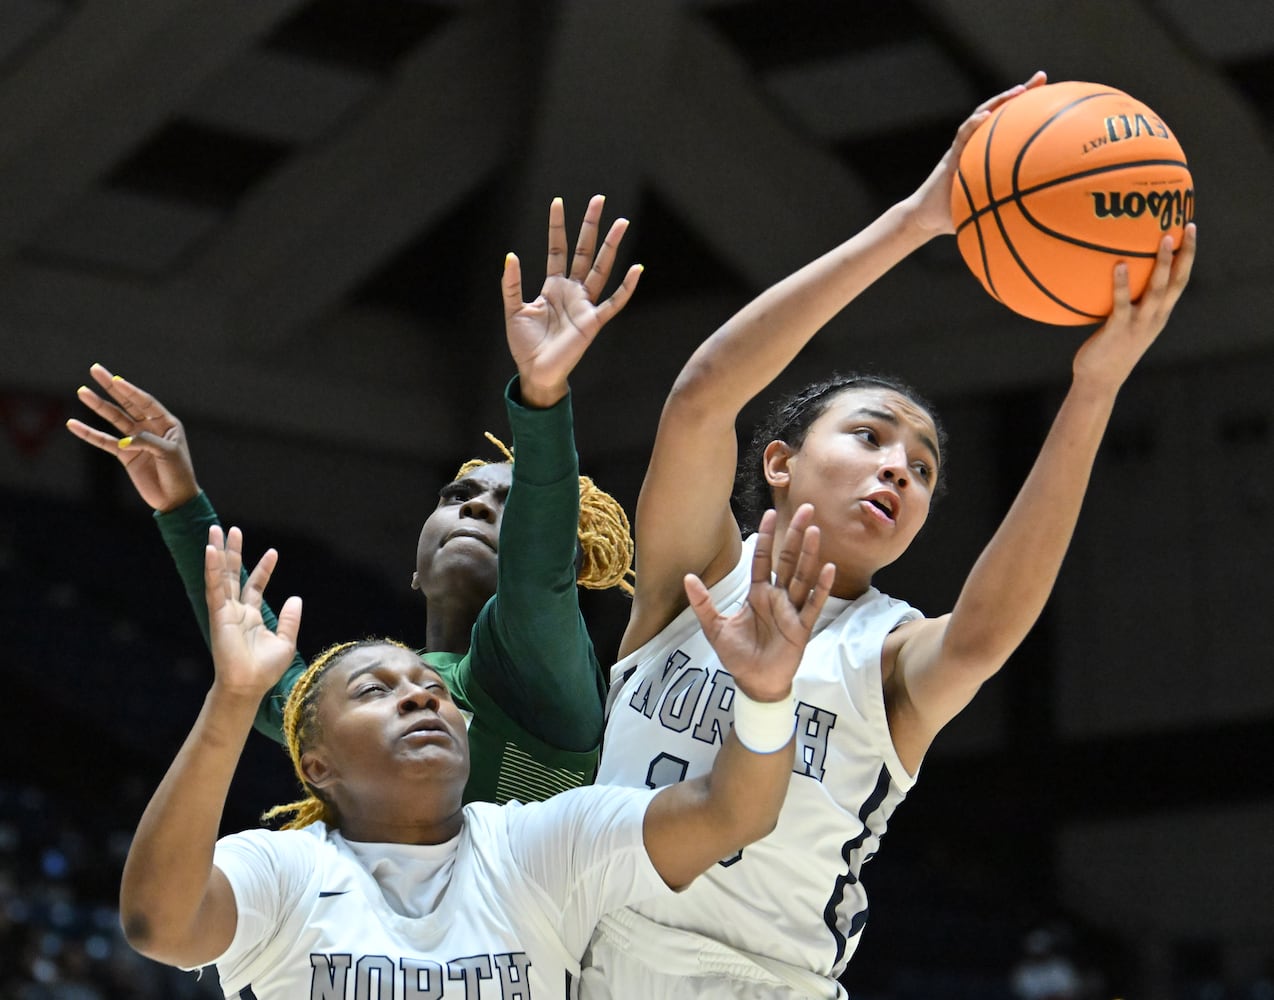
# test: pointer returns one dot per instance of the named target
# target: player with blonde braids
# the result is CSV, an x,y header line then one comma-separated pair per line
x,y
605,534
385,883
300,727
496,560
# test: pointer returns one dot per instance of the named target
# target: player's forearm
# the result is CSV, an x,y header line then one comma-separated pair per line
x,y
538,534
1012,579
169,864
185,533
746,791
530,647
755,345
693,824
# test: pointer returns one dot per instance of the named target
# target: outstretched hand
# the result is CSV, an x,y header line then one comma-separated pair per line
x,y
152,443
548,336
931,202
762,643
247,656
1110,354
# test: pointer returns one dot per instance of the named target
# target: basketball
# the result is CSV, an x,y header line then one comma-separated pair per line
x,y
1060,184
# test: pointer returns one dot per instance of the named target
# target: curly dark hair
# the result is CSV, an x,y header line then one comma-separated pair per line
x,y
789,420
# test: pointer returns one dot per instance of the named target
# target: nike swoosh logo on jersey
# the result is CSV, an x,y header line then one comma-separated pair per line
x,y
324,894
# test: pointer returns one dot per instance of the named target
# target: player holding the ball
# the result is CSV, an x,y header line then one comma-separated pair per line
x,y
879,679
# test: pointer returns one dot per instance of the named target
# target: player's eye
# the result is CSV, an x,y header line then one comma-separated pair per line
x,y
456,492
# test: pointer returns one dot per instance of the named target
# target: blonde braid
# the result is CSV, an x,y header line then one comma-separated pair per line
x,y
300,726
605,535
477,463
606,539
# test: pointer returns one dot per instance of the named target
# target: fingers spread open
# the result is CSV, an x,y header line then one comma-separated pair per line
x,y
701,601
91,435
596,277
805,577
234,561
789,554
105,409
607,310
813,607
289,626
585,246
216,583
511,285
761,561
556,264
254,589
137,403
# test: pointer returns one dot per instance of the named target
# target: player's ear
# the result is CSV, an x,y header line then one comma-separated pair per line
x,y
317,770
775,463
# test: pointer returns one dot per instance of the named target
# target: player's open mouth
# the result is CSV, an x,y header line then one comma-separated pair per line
x,y
885,503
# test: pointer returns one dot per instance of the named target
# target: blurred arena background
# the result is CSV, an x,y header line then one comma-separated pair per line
x,y
287,218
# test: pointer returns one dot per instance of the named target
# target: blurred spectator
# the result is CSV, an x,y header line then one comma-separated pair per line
x,y
1046,970
59,926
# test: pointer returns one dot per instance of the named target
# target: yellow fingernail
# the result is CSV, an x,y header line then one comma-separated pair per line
x,y
509,258
81,389
117,378
124,442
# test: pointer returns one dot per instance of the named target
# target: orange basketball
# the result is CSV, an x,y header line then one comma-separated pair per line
x,y
1059,185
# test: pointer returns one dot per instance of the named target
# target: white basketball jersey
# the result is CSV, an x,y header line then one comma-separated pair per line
x,y
509,906
794,896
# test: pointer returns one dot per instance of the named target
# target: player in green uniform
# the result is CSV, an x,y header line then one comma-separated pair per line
x,y
505,632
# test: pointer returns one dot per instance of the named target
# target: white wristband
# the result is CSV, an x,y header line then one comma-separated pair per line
x,y
764,726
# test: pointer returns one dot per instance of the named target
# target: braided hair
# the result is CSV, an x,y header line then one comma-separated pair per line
x,y
605,535
300,729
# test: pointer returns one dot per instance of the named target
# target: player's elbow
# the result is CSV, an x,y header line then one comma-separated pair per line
x,y
140,931
694,394
758,828
747,822
151,926
163,940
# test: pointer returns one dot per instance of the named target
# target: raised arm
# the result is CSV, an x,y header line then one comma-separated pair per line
x,y
151,445
691,825
934,667
684,523
531,650
175,906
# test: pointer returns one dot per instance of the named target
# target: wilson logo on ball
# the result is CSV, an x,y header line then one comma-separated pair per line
x,y
1171,208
